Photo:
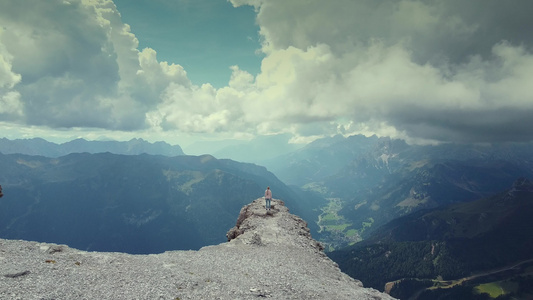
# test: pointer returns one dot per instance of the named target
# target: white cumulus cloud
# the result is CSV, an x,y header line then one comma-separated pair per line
x,y
418,69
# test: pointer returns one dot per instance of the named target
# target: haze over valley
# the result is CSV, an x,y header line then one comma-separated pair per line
x,y
399,131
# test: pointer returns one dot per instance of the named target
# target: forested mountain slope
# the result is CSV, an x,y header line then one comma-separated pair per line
x,y
369,181
128,203
450,242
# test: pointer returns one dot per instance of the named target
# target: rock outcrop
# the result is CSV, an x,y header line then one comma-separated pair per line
x,y
269,254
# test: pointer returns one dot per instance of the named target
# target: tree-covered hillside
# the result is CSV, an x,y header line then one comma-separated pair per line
x,y
448,243
128,203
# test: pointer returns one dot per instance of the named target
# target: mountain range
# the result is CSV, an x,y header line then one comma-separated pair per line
x,y
400,217
38,146
344,187
368,181
128,203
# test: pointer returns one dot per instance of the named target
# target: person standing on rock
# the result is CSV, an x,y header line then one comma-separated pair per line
x,y
268,197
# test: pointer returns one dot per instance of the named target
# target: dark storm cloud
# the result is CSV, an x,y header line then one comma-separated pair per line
x,y
436,70
469,126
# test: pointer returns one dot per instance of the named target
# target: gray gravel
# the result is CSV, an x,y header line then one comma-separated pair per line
x,y
271,255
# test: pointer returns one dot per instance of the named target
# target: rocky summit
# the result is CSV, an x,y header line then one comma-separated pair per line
x,y
269,254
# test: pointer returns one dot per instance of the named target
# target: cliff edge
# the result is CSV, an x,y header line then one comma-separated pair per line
x,y
269,254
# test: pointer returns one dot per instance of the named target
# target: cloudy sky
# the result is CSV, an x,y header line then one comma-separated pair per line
x,y
186,70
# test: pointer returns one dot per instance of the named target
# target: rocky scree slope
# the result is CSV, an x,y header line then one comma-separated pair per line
x,y
269,254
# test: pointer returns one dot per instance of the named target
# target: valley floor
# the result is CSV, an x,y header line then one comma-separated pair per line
x,y
448,284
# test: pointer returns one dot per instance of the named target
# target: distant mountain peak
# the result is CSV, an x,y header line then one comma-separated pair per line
x,y
135,146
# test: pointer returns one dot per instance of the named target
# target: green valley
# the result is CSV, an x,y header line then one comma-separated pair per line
x,y
337,232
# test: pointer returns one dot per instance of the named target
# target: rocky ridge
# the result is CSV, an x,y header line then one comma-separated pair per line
x,y
269,254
